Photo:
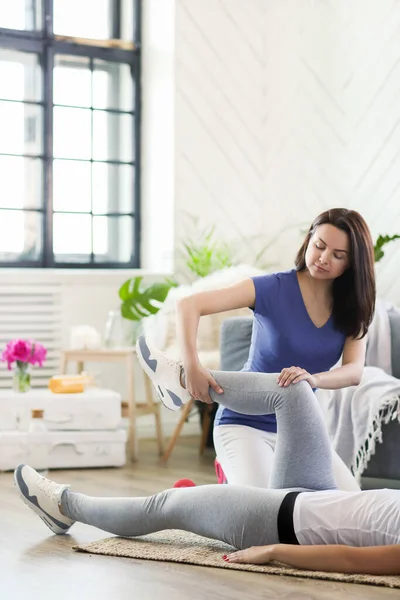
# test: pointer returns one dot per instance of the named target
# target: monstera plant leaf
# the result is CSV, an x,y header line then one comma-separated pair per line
x,y
139,302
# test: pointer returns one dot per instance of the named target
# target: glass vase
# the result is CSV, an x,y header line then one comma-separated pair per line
x,y
120,332
21,379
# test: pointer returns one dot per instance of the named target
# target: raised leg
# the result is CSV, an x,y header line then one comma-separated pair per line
x,y
303,454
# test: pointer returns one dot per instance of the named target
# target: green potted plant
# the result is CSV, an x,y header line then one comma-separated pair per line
x,y
139,302
207,255
380,242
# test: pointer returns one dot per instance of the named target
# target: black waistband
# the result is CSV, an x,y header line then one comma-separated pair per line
x,y
285,519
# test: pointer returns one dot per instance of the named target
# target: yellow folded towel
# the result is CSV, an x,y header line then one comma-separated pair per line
x,y
69,384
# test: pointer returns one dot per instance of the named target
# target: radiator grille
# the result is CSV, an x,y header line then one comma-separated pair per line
x,y
31,311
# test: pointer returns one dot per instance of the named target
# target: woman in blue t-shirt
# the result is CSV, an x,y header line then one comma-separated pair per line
x,y
305,319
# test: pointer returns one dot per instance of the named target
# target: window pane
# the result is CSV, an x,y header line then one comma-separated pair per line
x,y
112,136
21,128
128,20
72,81
20,235
72,133
20,14
21,182
112,188
71,186
83,18
112,85
72,237
20,76
112,239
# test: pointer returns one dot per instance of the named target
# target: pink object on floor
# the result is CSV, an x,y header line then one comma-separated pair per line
x,y
221,477
181,483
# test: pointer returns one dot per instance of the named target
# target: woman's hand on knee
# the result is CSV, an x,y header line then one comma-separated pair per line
x,y
295,375
198,384
256,555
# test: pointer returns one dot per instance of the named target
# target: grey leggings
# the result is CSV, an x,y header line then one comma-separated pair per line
x,y
238,515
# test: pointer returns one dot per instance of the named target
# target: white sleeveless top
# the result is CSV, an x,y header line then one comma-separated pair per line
x,y
370,518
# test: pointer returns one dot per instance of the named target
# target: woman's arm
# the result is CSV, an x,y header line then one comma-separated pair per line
x,y
373,560
348,374
191,308
189,311
351,370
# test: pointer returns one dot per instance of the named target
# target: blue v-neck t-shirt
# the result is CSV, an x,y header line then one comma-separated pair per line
x,y
283,336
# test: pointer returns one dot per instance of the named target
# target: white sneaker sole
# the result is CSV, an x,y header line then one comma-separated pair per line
x,y
168,398
47,519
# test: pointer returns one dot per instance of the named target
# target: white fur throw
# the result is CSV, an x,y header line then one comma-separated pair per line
x,y
355,415
161,328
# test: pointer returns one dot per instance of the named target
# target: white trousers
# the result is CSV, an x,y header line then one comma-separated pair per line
x,y
246,455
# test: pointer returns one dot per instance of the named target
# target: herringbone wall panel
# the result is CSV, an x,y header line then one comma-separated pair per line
x,y
285,108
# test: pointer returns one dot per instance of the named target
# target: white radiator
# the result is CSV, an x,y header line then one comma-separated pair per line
x,y
31,311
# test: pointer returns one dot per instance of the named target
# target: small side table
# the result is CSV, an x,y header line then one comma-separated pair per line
x,y
135,409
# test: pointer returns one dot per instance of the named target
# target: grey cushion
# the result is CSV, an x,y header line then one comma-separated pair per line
x,y
385,461
235,342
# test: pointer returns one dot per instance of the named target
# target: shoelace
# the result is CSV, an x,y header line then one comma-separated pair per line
x,y
176,365
173,363
49,488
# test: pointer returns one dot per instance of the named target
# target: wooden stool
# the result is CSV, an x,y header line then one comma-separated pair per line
x,y
135,409
186,409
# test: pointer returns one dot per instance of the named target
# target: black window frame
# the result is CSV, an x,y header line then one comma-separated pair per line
x,y
45,44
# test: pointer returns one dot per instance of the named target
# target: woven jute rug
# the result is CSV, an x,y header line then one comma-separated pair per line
x,y
182,547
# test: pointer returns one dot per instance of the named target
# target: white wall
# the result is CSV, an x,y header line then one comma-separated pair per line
x,y
285,108
158,135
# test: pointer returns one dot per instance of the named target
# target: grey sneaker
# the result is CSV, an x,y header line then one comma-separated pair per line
x,y
164,373
43,497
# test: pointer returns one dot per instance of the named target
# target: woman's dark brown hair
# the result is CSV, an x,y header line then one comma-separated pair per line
x,y
354,291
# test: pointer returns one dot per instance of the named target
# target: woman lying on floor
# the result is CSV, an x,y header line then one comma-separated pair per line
x,y
305,521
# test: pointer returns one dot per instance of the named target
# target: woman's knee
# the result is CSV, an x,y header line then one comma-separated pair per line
x,y
296,391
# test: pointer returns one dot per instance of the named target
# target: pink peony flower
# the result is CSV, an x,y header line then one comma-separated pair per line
x,y
24,351
21,350
38,354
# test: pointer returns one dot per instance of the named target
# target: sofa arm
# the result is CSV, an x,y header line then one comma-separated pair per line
x,y
235,342
394,320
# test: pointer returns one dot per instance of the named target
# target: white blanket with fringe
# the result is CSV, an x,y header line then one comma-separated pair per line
x,y
355,415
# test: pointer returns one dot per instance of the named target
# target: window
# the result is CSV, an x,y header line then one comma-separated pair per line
x,y
21,14
69,148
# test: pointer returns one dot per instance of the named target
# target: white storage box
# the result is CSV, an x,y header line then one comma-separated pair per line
x,y
94,409
8,413
65,449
